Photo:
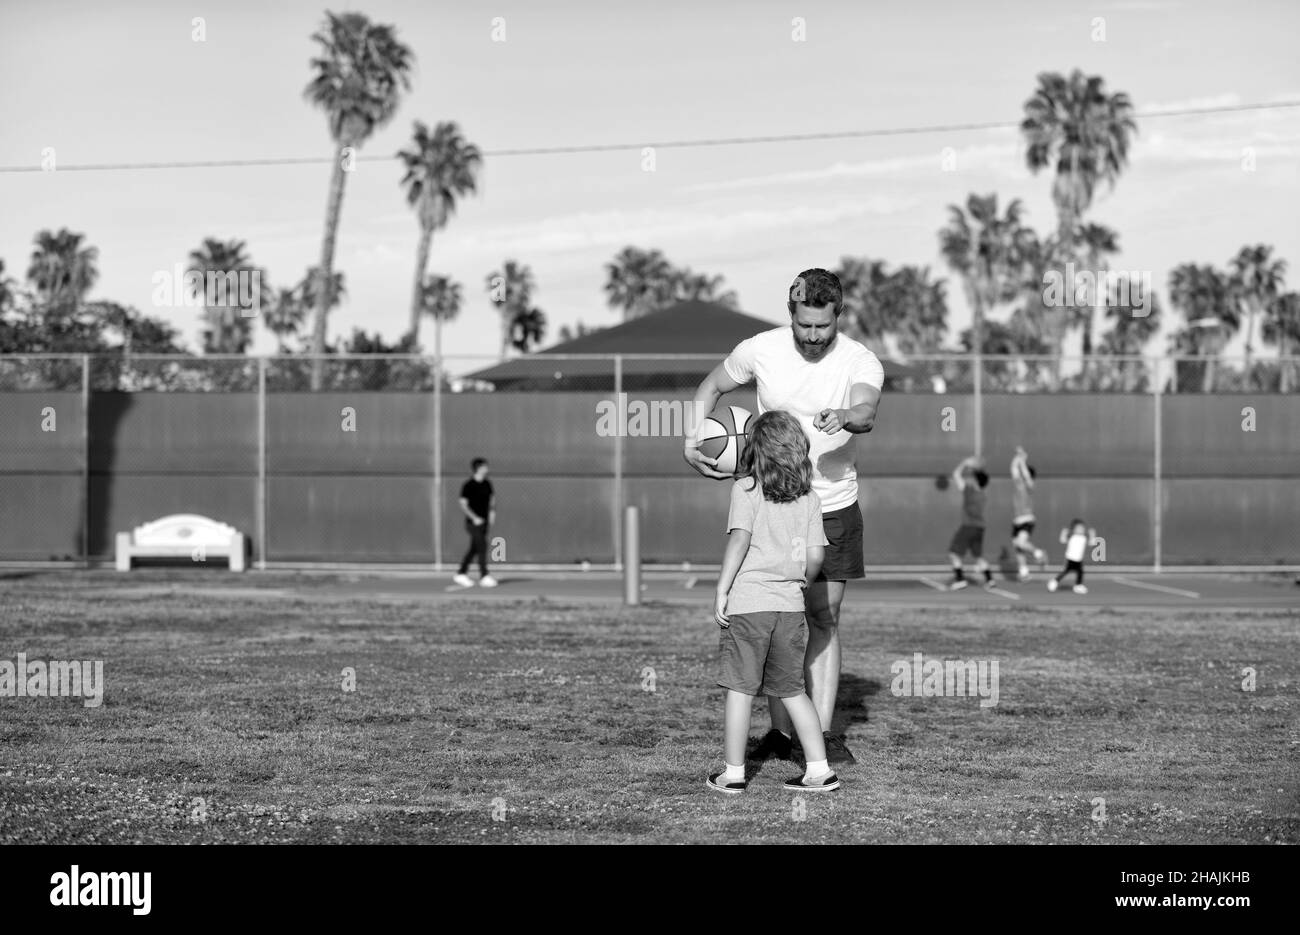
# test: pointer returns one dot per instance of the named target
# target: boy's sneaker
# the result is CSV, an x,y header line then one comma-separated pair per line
x,y
1052,585
487,581
1080,589
774,743
719,782
837,750
465,581
1041,557
990,585
957,584
828,783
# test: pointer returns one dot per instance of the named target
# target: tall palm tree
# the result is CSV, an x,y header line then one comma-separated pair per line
x,y
1204,296
227,330
922,310
1072,124
360,72
527,329
62,270
312,297
440,298
869,312
440,168
1097,243
1282,327
639,281
1257,280
983,249
1128,337
7,293
511,289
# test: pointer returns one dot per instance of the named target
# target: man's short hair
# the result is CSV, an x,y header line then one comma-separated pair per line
x,y
815,288
477,463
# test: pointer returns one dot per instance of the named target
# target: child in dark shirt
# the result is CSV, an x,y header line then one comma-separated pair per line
x,y
478,503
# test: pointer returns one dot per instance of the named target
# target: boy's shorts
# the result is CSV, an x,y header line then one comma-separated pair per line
x,y
843,561
968,539
762,653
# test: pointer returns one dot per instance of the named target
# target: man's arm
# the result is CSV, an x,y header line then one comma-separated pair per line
x,y
706,397
737,547
958,477
464,508
859,418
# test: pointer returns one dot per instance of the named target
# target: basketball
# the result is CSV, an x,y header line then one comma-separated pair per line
x,y
723,434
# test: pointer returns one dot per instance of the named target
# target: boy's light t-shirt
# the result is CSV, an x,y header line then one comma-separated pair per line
x,y
803,389
1075,546
772,575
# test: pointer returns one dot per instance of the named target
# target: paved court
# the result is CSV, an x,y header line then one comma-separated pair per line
x,y
1104,590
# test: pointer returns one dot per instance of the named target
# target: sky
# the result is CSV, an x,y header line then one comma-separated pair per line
x,y
128,83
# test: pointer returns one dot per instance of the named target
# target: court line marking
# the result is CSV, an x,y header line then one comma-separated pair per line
x,y
934,584
1010,594
1154,587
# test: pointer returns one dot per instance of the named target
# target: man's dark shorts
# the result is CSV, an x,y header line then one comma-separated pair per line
x,y
968,539
1026,526
762,653
843,530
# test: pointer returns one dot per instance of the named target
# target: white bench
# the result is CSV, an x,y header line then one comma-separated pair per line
x,y
181,535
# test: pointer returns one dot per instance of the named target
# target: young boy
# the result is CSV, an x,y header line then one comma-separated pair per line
x,y
478,503
1076,539
775,549
970,479
1022,518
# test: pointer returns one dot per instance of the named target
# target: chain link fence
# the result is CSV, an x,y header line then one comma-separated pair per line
x,y
1185,461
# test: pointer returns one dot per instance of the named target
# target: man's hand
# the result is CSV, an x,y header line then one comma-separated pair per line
x,y
830,421
719,610
478,521
706,466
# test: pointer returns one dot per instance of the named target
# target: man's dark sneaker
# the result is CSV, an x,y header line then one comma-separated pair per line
x,y
828,783
720,783
774,743
836,750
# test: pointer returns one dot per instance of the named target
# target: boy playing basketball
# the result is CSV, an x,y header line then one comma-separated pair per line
x,y
1022,518
971,480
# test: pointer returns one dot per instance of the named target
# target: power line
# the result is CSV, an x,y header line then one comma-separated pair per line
x,y
614,147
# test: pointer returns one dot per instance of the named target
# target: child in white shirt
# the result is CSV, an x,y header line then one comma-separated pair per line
x,y
1076,538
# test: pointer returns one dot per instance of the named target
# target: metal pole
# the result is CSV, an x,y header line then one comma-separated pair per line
x,y
261,464
85,460
979,403
631,556
437,463
616,500
1158,507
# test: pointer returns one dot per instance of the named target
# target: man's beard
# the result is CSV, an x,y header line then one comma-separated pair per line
x,y
810,349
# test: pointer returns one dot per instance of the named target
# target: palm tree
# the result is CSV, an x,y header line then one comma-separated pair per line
x,y
286,315
869,314
639,282
1257,280
1204,296
1129,336
511,290
922,319
6,289
62,270
527,329
689,285
359,75
1282,327
1098,243
440,298
983,249
440,168
1073,125
226,329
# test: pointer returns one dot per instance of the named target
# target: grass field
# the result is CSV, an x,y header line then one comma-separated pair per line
x,y
224,720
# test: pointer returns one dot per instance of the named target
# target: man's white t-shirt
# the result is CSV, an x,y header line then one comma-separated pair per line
x,y
803,388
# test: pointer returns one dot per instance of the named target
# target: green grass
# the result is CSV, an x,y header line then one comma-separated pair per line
x,y
237,701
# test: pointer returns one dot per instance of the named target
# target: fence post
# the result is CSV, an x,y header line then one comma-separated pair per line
x,y
260,564
979,404
85,460
437,463
1157,507
617,496
632,557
